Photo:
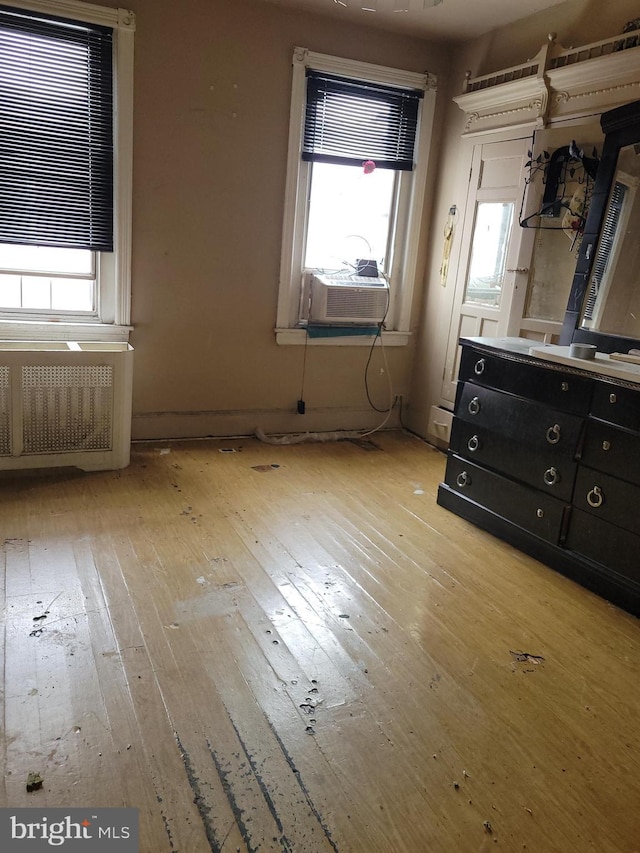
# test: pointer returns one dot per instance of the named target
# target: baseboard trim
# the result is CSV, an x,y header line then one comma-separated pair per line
x,y
218,424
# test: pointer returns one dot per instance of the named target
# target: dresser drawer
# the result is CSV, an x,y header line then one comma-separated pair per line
x,y
612,451
534,511
530,424
617,405
614,548
563,391
608,498
550,469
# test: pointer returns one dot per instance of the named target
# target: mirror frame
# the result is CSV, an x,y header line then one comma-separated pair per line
x,y
621,127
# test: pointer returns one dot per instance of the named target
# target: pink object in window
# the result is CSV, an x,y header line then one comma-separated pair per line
x,y
368,166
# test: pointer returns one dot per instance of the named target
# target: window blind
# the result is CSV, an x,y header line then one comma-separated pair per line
x,y
56,131
348,121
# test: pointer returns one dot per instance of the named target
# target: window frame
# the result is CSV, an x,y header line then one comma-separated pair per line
x,y
408,216
113,269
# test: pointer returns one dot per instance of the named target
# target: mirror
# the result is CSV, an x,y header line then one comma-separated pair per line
x,y
604,304
563,164
613,296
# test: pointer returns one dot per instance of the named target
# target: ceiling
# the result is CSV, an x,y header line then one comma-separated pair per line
x,y
456,20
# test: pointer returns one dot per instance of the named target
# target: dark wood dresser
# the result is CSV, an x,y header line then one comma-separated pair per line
x,y
545,454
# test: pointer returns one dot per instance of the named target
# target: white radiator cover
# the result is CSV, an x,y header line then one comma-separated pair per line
x,y
64,403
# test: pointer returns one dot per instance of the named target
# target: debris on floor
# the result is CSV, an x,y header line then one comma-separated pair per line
x,y
47,609
265,467
526,657
364,444
303,437
34,782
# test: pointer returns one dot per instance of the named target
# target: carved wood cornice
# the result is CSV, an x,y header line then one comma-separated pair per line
x,y
558,83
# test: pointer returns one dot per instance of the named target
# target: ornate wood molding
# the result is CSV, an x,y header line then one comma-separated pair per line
x,y
558,83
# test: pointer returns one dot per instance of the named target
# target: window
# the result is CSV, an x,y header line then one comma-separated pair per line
x,y
65,160
47,279
358,148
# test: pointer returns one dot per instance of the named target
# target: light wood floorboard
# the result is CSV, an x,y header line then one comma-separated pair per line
x,y
293,648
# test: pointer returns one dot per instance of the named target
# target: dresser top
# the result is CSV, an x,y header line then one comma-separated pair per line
x,y
602,365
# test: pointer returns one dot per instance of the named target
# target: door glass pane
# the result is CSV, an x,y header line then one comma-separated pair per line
x,y
489,253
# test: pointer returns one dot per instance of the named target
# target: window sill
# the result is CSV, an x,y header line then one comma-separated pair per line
x,y
33,330
298,337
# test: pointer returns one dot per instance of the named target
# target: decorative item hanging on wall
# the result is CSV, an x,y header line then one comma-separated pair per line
x,y
448,240
568,176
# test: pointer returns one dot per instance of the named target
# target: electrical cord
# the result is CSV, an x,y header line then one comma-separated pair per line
x,y
386,365
392,399
304,362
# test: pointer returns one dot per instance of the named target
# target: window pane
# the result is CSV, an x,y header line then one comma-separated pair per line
x,y
71,294
349,215
489,253
45,259
36,292
10,291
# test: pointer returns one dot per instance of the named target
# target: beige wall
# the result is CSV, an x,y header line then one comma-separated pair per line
x,y
575,22
212,90
212,93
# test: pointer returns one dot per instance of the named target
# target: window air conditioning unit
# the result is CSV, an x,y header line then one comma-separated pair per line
x,y
348,299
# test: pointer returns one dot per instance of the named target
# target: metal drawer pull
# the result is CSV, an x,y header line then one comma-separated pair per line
x,y
553,434
479,367
613,398
474,406
595,497
564,386
540,513
463,479
474,443
551,476
606,445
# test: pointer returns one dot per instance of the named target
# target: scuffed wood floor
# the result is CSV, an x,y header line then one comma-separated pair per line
x,y
293,648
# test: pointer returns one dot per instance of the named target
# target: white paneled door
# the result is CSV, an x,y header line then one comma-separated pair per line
x,y
493,264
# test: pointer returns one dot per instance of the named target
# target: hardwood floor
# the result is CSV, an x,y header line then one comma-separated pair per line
x,y
293,648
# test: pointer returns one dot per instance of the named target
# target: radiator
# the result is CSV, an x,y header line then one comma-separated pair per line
x,y
65,403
